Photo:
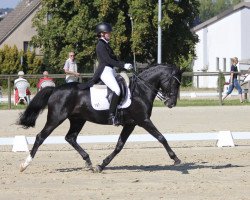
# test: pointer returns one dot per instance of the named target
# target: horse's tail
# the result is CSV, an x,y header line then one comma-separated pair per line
x,y
37,105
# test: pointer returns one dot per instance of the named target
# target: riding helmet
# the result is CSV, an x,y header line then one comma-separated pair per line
x,y
103,27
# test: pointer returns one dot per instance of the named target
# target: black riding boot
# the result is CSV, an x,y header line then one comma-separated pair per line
x,y
112,110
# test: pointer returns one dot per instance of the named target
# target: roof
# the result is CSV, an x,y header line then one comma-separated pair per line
x,y
16,17
222,15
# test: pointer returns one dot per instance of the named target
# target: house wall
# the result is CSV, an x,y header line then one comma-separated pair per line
x,y
219,42
23,33
245,34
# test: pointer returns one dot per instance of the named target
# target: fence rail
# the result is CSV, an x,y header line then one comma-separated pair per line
x,y
11,78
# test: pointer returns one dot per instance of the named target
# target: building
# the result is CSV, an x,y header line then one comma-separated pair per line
x,y
16,28
220,38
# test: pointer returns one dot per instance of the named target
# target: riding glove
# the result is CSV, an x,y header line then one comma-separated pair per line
x,y
128,66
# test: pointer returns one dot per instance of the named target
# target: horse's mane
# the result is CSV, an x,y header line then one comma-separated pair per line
x,y
153,68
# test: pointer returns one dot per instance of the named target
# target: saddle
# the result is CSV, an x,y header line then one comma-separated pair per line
x,y
100,94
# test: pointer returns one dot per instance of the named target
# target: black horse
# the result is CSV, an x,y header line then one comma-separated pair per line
x,y
69,102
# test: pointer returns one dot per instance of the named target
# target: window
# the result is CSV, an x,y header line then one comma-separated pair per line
x,y
27,46
224,64
217,64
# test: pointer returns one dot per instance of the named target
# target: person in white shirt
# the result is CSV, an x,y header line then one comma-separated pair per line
x,y
70,69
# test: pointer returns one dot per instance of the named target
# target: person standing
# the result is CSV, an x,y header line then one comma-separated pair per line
x,y
70,69
234,83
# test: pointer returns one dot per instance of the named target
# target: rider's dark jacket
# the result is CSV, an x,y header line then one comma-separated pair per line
x,y
106,57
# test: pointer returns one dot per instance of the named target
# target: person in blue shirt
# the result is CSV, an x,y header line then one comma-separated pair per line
x,y
234,83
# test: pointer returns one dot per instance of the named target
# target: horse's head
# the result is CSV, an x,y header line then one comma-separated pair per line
x,y
170,84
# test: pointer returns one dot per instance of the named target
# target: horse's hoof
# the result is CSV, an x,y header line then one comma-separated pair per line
x,y
88,166
177,161
98,169
22,167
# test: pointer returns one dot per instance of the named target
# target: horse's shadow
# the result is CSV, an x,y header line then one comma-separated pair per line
x,y
183,168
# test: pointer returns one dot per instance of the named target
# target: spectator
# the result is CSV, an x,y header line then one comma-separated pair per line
x,y
70,69
19,84
245,85
45,81
234,83
247,76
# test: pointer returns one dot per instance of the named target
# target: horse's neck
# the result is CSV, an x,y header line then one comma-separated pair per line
x,y
152,78
148,86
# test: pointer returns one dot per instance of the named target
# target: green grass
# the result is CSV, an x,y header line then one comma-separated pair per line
x,y
158,103
5,106
203,102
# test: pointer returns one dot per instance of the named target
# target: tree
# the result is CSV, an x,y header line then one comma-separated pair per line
x,y
70,25
32,63
206,10
210,8
10,60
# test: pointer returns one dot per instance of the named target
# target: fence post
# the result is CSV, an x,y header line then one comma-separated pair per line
x,y
198,84
220,87
9,92
80,79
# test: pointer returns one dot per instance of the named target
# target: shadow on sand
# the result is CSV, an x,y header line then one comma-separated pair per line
x,y
183,168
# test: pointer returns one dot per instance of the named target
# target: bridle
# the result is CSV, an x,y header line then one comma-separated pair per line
x,y
161,95
169,94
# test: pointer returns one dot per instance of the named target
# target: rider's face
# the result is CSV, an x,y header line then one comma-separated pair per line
x,y
107,36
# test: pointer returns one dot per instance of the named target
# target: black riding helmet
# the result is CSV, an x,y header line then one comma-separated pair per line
x,y
103,27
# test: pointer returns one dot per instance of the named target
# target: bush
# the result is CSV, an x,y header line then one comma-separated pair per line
x,y
221,82
12,60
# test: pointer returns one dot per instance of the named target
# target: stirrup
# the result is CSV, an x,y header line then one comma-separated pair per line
x,y
113,120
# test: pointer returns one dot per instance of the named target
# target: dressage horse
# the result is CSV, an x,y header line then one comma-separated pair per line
x,y
69,102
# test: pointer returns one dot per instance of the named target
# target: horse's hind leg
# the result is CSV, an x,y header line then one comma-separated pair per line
x,y
126,131
71,137
149,126
46,131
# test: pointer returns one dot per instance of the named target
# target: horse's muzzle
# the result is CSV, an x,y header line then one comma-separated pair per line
x,y
169,103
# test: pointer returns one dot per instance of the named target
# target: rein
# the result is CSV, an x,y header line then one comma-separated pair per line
x,y
176,79
157,92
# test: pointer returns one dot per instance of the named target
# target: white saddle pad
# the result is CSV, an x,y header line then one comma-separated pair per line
x,y
99,101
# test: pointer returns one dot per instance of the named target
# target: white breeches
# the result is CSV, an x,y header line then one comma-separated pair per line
x,y
108,77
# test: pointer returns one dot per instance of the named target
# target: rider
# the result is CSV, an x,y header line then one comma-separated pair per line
x,y
105,71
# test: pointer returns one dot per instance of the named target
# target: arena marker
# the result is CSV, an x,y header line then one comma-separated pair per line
x,y
20,144
193,95
225,139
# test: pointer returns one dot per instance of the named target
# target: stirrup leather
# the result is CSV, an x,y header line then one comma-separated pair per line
x,y
113,120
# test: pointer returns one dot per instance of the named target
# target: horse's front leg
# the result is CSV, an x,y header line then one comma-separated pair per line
x,y
149,126
71,137
126,131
